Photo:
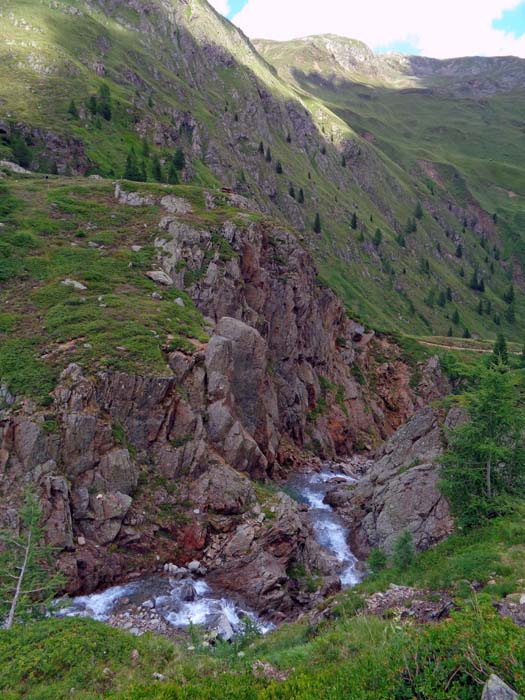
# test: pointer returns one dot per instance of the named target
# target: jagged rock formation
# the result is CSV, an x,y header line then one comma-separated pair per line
x,y
137,467
400,490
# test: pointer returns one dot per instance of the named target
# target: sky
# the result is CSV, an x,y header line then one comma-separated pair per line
x,y
443,29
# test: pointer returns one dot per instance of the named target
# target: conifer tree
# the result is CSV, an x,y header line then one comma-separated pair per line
x,y
291,191
104,102
510,314
317,223
179,159
353,222
459,251
156,168
92,104
261,148
72,109
455,317
418,213
300,197
132,170
28,582
268,156
20,149
485,458
279,168
378,237
173,174
500,354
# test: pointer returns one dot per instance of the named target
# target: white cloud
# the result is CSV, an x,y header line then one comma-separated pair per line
x,y
441,29
221,6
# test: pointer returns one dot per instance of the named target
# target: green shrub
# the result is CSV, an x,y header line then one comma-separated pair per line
x,y
404,552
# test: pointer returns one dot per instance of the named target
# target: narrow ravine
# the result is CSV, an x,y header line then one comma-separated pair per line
x,y
330,531
178,599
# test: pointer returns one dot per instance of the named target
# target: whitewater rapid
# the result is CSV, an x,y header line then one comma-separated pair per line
x,y
205,605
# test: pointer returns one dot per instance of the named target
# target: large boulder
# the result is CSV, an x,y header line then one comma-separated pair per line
x,y
242,414
400,492
496,689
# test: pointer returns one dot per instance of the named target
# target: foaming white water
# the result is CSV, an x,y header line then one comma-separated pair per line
x,y
97,605
165,598
199,612
329,530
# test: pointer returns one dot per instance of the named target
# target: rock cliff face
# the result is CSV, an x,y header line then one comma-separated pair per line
x,y
400,490
133,470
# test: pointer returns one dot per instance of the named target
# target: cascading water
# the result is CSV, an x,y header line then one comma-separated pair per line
x,y
330,532
184,601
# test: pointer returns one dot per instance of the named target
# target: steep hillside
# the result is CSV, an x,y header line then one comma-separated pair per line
x,y
180,76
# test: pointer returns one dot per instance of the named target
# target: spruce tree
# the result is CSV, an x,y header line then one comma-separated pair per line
x,y
268,156
104,102
156,168
418,213
484,462
449,294
28,582
179,159
353,222
279,168
92,104
459,251
378,237
510,314
261,148
317,223
466,333
132,169
145,149
300,197
442,299
455,317
343,161
509,295
20,149
173,174
291,191
500,354
72,109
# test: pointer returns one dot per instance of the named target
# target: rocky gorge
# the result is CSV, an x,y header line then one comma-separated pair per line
x,y
134,471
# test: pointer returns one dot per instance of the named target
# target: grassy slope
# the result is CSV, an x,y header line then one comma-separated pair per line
x,y
352,656
49,56
72,228
474,146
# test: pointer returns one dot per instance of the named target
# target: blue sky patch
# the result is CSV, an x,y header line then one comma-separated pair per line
x,y
405,46
235,7
512,21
